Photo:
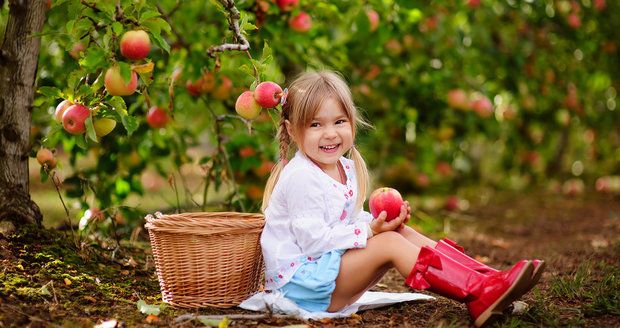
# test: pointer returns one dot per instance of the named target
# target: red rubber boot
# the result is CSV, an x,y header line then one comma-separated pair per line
x,y
457,252
486,296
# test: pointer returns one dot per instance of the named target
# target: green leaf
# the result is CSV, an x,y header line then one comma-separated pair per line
x,y
50,92
146,308
267,56
249,26
209,322
122,188
130,123
94,58
161,42
125,71
148,15
80,141
156,25
117,28
90,129
44,175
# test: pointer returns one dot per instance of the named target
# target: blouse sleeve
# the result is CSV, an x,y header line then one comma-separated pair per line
x,y
307,206
363,216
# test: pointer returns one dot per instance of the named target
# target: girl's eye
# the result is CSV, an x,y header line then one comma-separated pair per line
x,y
314,125
341,121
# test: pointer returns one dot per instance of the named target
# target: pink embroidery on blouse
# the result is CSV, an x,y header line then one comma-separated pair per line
x,y
292,264
357,231
355,244
343,215
350,192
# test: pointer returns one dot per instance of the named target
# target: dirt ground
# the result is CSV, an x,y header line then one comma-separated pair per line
x,y
45,283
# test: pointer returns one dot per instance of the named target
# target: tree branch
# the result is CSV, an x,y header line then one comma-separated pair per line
x,y
233,21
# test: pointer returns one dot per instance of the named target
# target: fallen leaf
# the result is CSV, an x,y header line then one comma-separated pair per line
x,y
107,324
90,299
67,281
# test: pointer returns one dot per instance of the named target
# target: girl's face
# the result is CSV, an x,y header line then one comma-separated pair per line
x,y
328,136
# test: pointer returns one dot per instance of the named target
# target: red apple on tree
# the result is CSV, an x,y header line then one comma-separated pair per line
x,y
222,92
385,199
157,117
76,50
268,94
301,23
482,106
116,86
247,106
60,109
373,18
46,157
458,99
287,5
74,117
135,45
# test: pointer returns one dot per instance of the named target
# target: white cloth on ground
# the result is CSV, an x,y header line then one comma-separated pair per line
x,y
276,301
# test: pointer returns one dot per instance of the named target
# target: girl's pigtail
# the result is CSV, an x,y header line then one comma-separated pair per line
x,y
284,141
363,178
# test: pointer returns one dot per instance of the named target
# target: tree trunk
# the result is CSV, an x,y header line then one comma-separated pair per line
x,y
19,54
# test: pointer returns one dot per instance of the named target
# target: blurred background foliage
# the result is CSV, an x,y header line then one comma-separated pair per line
x,y
497,93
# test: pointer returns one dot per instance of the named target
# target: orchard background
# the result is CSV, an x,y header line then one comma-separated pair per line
x,y
505,95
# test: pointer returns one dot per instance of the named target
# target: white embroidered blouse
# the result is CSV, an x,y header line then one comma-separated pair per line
x,y
309,214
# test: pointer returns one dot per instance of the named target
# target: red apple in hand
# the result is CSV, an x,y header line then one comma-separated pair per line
x,y
74,117
247,106
116,86
385,199
268,94
156,117
135,45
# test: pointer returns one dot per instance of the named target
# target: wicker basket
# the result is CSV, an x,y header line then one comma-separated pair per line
x,y
207,259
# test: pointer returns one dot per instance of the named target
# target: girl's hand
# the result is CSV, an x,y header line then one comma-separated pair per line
x,y
379,225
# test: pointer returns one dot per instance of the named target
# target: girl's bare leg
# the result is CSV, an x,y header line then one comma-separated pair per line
x,y
415,237
361,268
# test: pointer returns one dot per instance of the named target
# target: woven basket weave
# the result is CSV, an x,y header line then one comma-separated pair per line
x,y
207,259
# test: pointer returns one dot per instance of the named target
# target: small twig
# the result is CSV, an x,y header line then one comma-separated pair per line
x,y
56,183
233,21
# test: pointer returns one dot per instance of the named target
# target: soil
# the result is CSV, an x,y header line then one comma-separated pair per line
x,y
47,281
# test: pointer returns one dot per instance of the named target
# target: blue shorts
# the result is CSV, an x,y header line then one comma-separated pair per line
x,y
313,283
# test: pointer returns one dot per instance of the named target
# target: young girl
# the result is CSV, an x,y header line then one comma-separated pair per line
x,y
323,251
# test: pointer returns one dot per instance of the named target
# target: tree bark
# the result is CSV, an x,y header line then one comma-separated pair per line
x,y
19,55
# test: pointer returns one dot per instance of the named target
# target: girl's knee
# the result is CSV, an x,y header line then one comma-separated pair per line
x,y
388,237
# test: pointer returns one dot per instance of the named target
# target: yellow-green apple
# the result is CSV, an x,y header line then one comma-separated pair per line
x,y
385,199
74,117
76,50
60,109
246,106
222,92
457,98
46,157
301,23
156,117
373,18
116,86
287,5
103,126
135,44
268,94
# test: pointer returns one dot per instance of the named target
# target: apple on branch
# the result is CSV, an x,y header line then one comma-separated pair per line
x,y
301,23
268,94
287,5
385,199
157,117
135,45
247,106
103,126
60,109
373,18
46,157
74,118
116,86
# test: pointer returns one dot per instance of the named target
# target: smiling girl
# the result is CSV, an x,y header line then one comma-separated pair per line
x,y
323,251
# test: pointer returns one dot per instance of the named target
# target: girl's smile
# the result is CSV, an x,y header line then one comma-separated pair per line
x,y
328,136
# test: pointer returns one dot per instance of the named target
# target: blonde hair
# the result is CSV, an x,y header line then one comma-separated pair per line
x,y
305,96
